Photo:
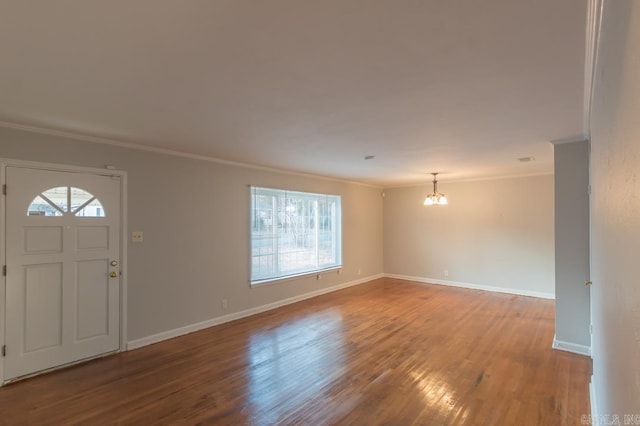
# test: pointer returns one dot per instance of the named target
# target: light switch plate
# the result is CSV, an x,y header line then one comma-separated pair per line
x,y
136,237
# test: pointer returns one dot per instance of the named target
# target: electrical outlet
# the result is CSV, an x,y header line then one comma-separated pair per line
x,y
359,271
446,272
224,304
136,237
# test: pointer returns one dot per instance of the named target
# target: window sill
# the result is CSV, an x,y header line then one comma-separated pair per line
x,y
295,276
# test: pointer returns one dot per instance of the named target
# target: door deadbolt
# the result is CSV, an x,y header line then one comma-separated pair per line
x,y
114,263
587,282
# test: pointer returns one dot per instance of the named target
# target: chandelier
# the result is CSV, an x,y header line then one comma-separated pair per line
x,y
435,197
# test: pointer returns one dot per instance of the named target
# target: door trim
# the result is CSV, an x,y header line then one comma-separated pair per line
x,y
4,163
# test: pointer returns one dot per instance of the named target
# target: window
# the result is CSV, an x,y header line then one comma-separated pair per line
x,y
65,200
293,233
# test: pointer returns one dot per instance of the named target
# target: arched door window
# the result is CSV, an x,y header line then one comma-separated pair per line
x,y
66,200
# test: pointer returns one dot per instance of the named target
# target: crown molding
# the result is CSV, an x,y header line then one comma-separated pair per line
x,y
594,23
470,179
581,138
106,141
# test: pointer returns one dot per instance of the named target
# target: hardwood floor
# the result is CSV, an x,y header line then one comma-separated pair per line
x,y
386,352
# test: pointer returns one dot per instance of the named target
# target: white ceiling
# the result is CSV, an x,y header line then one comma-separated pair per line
x,y
459,86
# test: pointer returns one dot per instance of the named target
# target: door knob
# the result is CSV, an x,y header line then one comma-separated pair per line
x,y
587,282
113,274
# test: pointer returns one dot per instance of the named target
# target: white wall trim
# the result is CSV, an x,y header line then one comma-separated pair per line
x,y
515,291
594,401
592,41
581,138
570,347
106,141
3,260
124,256
159,337
470,179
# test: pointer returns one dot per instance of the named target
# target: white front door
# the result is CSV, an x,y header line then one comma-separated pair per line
x,y
63,268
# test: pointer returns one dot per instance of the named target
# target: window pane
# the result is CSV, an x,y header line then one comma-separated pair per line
x,y
40,207
58,196
92,209
78,198
293,233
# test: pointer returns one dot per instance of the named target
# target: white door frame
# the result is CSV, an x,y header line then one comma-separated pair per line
x,y
123,239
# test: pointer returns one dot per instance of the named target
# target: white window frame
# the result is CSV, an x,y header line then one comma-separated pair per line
x,y
277,224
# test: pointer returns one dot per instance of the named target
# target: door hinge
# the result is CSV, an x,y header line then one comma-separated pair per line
x,y
4,189
4,350
4,270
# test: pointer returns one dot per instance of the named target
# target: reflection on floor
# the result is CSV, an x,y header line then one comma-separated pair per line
x,y
309,349
386,352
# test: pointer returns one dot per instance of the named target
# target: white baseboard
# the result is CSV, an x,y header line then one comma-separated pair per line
x,y
571,347
593,400
515,291
170,334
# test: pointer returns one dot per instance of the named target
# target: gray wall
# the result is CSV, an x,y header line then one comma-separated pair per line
x,y
494,233
195,215
571,164
615,212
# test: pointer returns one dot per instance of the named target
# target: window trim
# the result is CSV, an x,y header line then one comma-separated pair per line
x,y
296,275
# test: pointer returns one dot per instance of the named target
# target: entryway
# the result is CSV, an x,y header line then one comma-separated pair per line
x,y
63,267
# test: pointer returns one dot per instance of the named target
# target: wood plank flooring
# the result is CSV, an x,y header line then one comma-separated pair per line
x,y
386,352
